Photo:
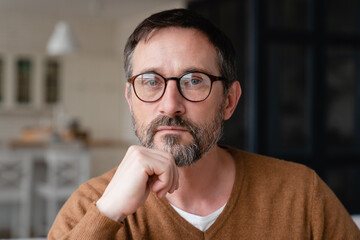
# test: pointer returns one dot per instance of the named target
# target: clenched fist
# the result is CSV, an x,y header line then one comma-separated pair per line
x,y
142,170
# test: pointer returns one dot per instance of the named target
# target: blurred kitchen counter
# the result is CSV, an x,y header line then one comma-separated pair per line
x,y
91,144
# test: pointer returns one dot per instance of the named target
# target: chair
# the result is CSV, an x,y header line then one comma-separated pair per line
x,y
66,170
15,190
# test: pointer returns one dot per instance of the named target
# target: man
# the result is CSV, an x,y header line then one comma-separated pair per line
x,y
180,184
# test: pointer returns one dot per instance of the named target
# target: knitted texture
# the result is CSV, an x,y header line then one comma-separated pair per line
x,y
270,199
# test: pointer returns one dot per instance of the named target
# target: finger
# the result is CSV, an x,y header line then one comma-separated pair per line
x,y
175,176
151,181
174,184
174,181
164,180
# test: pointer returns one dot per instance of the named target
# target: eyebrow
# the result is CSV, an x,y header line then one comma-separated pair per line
x,y
191,69
156,70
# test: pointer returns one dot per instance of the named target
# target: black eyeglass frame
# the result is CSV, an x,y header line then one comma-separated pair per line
x,y
177,79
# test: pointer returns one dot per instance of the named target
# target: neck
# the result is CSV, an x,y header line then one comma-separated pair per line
x,y
206,185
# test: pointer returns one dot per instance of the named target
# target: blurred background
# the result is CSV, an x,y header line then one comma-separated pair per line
x,y
64,119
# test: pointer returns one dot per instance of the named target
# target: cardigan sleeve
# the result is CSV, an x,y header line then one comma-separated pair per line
x,y
93,225
79,218
329,218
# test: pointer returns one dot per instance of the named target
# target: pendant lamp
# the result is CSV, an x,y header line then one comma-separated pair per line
x,y
62,41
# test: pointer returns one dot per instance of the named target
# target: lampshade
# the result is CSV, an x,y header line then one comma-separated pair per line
x,y
61,41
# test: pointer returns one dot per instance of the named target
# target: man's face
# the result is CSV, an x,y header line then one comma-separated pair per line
x,y
174,124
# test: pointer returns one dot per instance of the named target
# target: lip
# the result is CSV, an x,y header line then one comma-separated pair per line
x,y
171,128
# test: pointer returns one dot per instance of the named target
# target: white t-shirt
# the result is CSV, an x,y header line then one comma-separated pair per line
x,y
200,222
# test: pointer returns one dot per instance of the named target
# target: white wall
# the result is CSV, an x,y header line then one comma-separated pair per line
x,y
92,81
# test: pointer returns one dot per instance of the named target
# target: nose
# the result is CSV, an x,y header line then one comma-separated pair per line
x,y
172,103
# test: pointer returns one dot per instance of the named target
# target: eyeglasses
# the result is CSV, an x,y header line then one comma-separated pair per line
x,y
194,86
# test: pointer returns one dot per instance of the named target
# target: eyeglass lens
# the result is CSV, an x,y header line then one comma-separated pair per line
x,y
194,86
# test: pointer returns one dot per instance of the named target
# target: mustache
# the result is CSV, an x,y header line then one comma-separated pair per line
x,y
164,120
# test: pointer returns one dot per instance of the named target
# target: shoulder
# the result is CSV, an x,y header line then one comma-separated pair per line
x,y
264,164
289,194
259,170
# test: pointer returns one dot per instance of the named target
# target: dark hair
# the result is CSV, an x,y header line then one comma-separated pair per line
x,y
185,19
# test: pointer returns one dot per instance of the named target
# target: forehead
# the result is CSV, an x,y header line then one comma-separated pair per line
x,y
175,50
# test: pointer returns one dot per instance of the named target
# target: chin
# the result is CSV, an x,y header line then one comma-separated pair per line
x,y
169,140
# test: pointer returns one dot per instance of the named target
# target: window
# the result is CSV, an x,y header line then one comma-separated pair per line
x,y
340,98
302,92
1,81
23,80
308,88
342,16
287,14
288,88
51,81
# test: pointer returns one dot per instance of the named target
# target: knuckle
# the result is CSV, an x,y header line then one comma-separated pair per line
x,y
133,148
169,156
135,154
169,165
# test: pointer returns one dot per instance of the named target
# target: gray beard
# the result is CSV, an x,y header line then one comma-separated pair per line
x,y
184,155
205,136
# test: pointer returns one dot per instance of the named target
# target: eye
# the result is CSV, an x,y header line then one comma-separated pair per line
x,y
194,81
151,83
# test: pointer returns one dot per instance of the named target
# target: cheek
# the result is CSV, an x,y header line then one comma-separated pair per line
x,y
206,111
142,113
203,115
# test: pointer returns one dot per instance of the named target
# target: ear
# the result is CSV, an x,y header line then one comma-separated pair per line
x,y
128,94
232,99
